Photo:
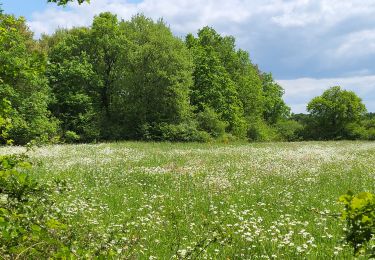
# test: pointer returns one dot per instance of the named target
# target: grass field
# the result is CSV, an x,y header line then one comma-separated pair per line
x,y
215,201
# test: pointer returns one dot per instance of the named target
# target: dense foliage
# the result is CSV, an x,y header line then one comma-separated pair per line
x,y
121,80
23,82
5,122
334,113
135,80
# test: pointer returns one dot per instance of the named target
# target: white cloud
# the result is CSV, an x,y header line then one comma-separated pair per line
x,y
324,13
362,41
196,13
298,92
183,15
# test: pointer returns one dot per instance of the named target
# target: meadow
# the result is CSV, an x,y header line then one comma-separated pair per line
x,y
206,201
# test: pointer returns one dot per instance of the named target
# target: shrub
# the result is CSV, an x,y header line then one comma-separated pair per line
x,y
371,134
260,131
359,214
228,138
184,132
71,137
29,224
209,121
355,131
289,130
369,125
5,122
28,219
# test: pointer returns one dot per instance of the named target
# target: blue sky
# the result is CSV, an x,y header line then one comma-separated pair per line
x,y
308,45
22,7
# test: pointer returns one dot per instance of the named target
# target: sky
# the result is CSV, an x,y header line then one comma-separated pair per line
x,y
308,45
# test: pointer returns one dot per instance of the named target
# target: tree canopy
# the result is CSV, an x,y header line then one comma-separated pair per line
x,y
23,82
120,80
334,111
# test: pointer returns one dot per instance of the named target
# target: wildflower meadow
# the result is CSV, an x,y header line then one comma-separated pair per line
x,y
204,201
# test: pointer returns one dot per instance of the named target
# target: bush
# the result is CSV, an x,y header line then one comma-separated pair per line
x,y
209,121
260,131
42,129
289,130
355,131
28,222
71,137
359,214
228,138
5,122
371,134
184,132
370,128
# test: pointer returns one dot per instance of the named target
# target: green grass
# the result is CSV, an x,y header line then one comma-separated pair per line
x,y
240,201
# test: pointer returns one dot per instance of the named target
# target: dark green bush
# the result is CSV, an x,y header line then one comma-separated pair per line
x,y
71,137
369,125
355,131
209,121
184,132
371,134
259,131
289,130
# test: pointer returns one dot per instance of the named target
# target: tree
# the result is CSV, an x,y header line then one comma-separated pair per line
x,y
214,87
106,47
333,112
85,66
73,81
227,81
275,108
153,87
119,77
23,82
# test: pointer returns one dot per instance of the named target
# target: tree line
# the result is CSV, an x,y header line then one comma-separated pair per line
x,y
135,80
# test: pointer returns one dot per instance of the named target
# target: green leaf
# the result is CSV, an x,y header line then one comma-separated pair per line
x,y
36,228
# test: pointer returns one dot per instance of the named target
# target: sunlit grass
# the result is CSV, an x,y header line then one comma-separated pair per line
x,y
241,201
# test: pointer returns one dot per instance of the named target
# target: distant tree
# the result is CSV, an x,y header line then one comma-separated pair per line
x,y
275,108
105,47
64,2
116,79
370,115
82,71
223,80
74,83
156,77
334,112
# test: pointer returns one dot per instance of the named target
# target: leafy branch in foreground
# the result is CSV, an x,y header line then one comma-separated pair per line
x,y
359,214
64,2
28,220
